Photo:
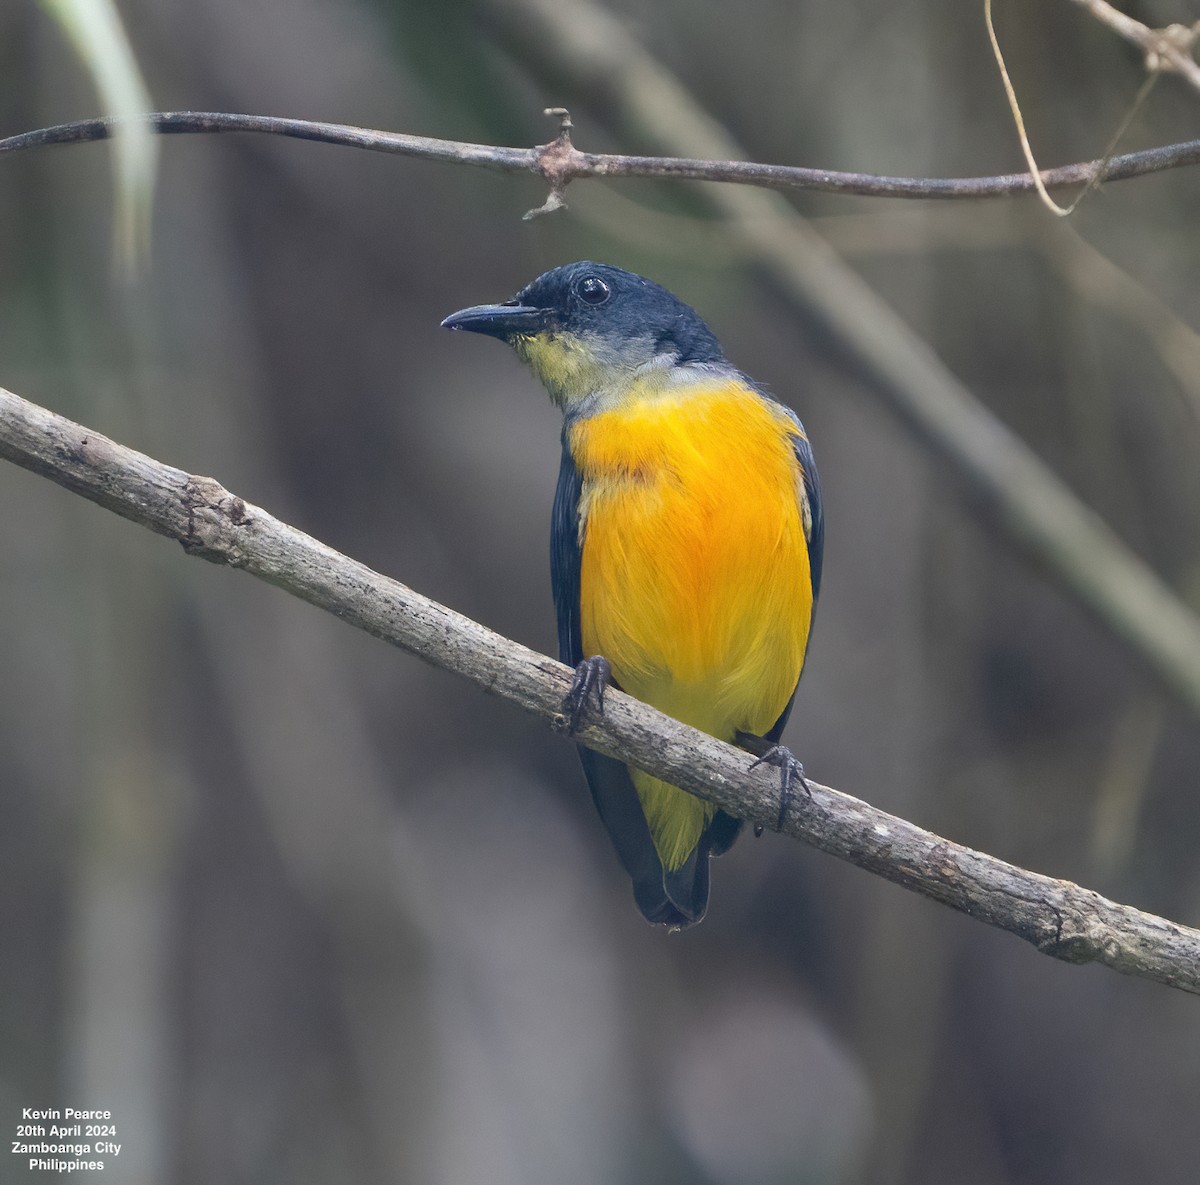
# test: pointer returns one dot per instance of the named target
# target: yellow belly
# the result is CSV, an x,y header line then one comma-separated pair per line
x,y
695,580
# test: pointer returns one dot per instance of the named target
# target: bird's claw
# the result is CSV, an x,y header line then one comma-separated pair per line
x,y
791,774
592,676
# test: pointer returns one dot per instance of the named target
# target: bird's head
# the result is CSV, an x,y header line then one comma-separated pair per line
x,y
589,330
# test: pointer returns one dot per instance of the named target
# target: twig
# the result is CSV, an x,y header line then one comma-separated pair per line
x,y
1093,182
1060,918
559,162
1168,50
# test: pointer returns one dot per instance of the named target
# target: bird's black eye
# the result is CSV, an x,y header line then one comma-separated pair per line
x,y
593,290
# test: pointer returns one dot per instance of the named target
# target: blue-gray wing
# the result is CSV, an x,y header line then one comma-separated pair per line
x,y
565,558
814,533
814,526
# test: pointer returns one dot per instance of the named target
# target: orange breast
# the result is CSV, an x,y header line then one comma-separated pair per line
x,y
695,578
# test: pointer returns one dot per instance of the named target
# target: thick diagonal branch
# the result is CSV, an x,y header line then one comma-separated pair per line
x,y
1059,918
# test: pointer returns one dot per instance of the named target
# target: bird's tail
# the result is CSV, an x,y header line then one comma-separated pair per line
x,y
677,899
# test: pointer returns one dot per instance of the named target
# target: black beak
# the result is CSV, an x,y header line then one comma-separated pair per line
x,y
504,321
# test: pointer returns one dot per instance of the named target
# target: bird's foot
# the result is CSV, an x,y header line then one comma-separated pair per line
x,y
791,777
592,676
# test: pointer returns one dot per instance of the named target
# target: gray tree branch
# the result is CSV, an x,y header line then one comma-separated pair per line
x,y
559,162
1060,918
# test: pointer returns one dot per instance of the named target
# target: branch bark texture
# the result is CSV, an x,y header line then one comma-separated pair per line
x,y
1060,918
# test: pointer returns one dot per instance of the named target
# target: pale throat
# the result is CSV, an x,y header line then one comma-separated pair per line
x,y
584,377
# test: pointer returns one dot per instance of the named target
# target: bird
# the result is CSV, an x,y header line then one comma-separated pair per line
x,y
686,547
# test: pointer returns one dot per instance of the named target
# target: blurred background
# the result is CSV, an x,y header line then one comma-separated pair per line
x,y
296,908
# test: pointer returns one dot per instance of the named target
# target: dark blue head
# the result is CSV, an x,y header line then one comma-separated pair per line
x,y
588,327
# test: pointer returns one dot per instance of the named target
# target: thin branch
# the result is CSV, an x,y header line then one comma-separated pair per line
x,y
1060,918
559,162
1168,50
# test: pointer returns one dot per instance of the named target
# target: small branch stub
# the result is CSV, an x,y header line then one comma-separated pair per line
x,y
557,162
1162,54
